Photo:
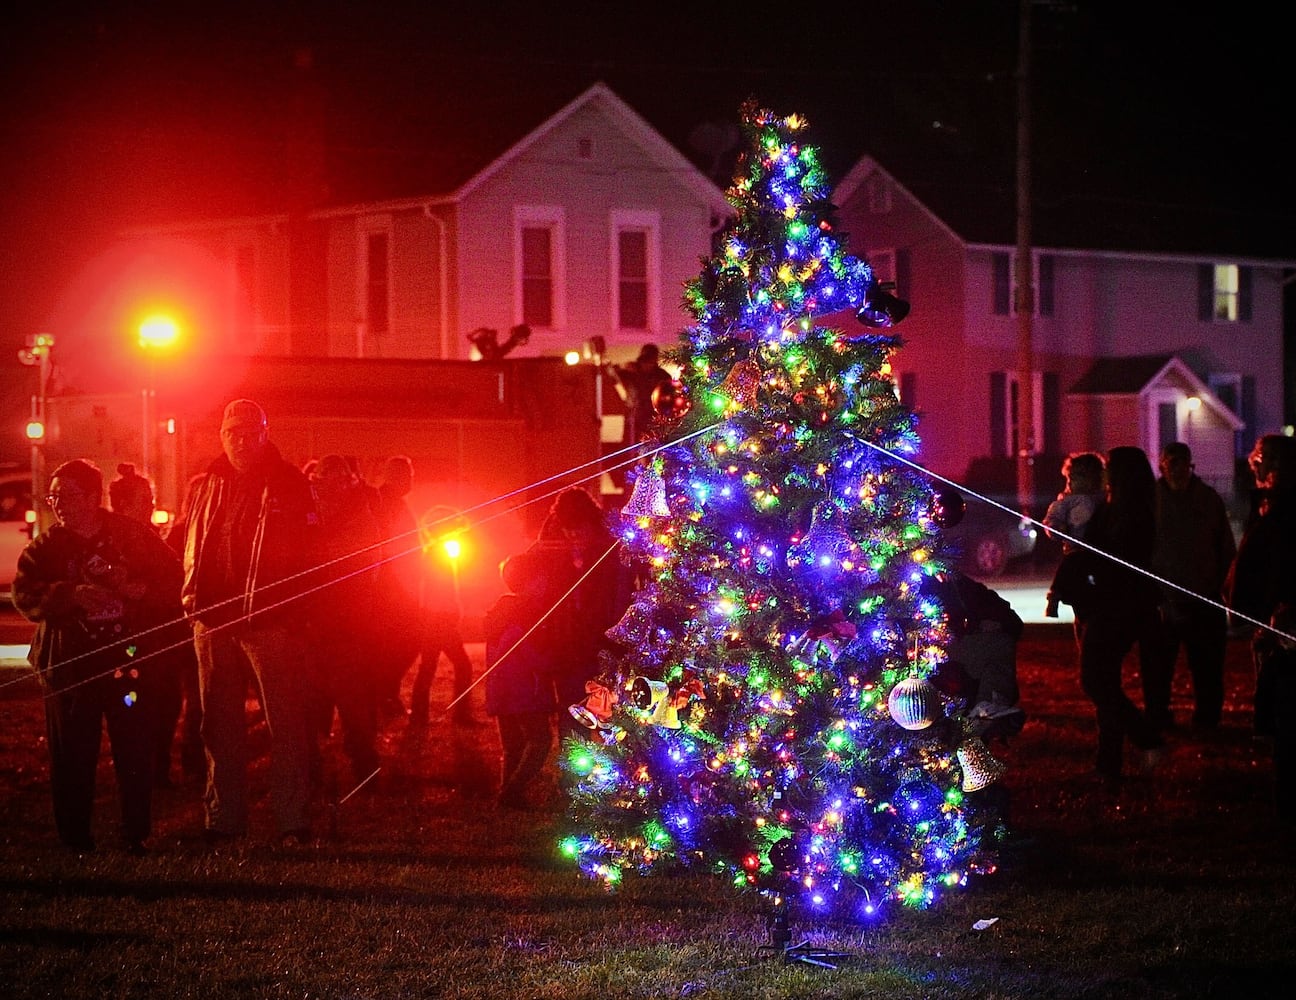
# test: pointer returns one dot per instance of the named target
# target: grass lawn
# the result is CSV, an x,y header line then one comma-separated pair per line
x,y
421,887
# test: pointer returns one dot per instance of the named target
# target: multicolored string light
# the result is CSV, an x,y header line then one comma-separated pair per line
x,y
787,598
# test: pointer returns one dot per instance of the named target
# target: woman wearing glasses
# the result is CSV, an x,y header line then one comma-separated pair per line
x,y
97,585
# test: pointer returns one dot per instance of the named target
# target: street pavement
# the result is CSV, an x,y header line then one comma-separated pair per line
x,y
1028,596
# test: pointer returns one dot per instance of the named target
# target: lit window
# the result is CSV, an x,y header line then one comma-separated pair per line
x,y
1224,293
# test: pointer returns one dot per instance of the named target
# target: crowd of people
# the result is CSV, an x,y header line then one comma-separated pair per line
x,y
1152,563
311,587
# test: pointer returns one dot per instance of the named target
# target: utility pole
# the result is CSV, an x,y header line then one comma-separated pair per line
x,y
1024,293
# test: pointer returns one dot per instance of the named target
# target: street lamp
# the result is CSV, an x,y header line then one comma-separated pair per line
x,y
157,332
38,352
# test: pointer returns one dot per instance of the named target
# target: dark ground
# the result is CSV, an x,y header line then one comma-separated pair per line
x,y
1179,887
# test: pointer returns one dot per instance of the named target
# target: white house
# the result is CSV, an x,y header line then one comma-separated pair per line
x,y
1129,346
586,227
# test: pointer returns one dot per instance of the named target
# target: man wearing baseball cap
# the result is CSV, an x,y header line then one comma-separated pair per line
x,y
250,540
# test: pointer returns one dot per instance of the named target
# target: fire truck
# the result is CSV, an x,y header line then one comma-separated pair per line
x,y
493,440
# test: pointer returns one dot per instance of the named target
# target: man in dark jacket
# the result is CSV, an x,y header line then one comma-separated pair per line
x,y
638,380
249,543
1194,549
99,587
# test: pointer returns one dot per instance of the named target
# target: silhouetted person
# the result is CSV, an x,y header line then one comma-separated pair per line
x,y
519,682
639,378
96,584
342,612
1194,549
1262,586
1121,607
131,495
399,582
442,615
578,548
982,652
1070,512
251,538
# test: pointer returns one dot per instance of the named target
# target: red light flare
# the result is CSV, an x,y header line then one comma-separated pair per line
x,y
98,321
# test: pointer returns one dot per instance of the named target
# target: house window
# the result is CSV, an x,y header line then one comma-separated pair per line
x,y
1044,284
878,194
1003,302
539,269
891,270
1002,294
883,264
632,270
585,148
1227,386
1224,293
376,281
537,276
1007,435
636,267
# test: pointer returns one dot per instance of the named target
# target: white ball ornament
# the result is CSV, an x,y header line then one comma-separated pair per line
x,y
913,703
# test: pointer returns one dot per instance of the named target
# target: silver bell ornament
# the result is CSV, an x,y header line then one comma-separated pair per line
x,y
826,544
913,703
979,767
648,498
635,627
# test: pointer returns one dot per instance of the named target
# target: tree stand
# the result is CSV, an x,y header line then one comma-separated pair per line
x,y
781,938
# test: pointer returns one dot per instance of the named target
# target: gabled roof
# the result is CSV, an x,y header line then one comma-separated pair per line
x,y
1122,376
978,203
670,159
1131,376
864,168
667,156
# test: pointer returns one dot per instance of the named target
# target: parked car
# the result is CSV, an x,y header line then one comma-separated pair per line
x,y
15,527
988,539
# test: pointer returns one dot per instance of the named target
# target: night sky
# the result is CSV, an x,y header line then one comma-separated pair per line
x,y
117,114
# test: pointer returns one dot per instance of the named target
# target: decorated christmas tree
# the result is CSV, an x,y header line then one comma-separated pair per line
x,y
773,717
